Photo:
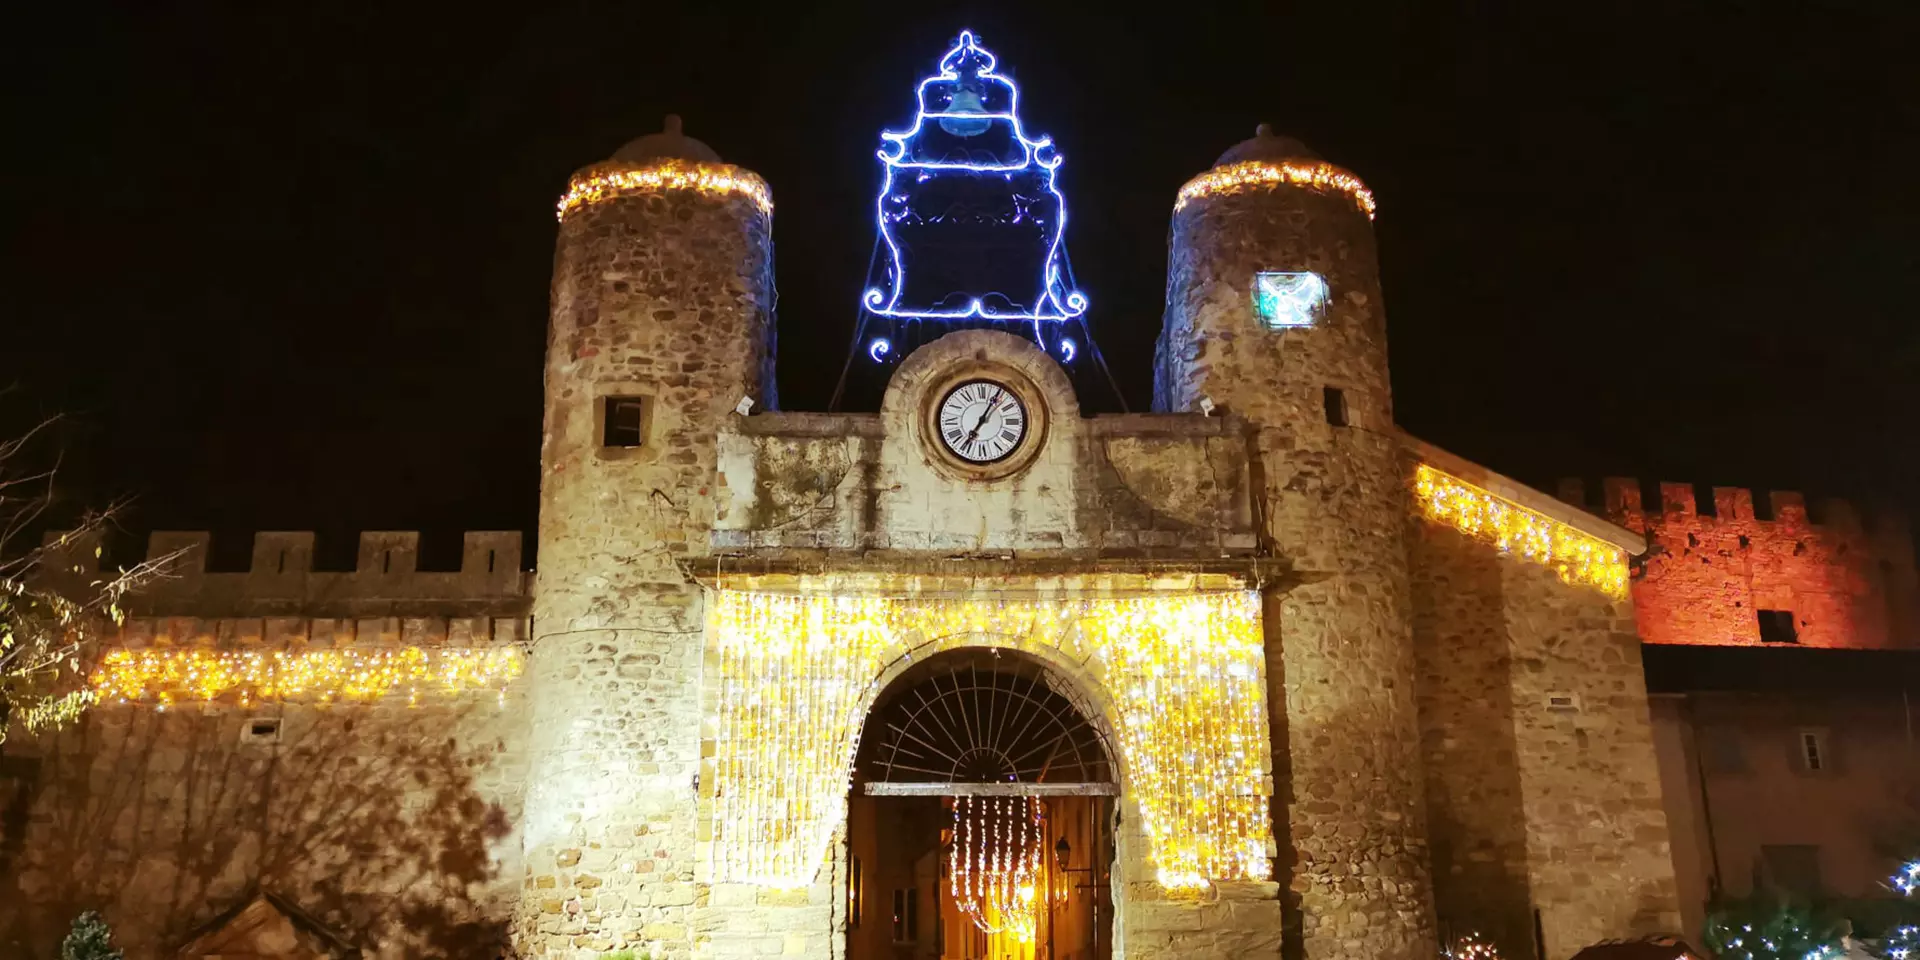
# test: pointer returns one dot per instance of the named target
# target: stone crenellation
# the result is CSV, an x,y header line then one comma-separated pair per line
x,y
281,579
1716,561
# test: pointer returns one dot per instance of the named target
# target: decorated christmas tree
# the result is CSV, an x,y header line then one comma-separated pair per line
x,y
1769,927
90,939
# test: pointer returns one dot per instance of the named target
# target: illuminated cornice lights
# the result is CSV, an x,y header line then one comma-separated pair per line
x,y
608,181
977,100
1182,674
1311,174
1577,557
166,676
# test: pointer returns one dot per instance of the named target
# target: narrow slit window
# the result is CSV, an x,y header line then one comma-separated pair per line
x,y
624,422
1335,400
855,885
906,915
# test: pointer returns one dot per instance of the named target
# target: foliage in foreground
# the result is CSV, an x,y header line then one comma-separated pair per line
x,y
1769,926
90,939
49,616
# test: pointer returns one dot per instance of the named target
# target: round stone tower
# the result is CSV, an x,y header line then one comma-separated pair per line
x,y
661,324
1274,315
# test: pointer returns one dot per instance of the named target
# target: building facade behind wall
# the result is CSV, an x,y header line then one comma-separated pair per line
x,y
1783,658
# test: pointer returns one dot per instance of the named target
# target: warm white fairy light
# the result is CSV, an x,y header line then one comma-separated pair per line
x,y
1184,674
1576,557
1471,947
610,181
993,864
1257,174
166,675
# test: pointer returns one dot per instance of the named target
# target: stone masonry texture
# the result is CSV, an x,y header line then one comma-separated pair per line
x,y
1335,501
1533,806
666,297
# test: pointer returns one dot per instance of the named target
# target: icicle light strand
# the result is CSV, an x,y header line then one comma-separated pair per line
x,y
993,865
1183,675
1576,557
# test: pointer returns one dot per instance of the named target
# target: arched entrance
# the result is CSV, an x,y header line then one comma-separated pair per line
x,y
980,821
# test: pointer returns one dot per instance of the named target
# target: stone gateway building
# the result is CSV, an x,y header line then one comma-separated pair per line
x,y
967,674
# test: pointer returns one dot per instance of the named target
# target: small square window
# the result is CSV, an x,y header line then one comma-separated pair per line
x,y
1776,626
624,422
1335,400
261,730
1285,300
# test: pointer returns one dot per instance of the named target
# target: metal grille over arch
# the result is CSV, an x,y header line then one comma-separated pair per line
x,y
980,717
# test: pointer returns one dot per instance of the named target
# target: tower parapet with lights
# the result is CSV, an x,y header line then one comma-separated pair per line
x,y
662,325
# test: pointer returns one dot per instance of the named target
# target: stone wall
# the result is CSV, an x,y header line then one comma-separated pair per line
x,y
396,825
1543,793
1847,584
1333,500
1140,485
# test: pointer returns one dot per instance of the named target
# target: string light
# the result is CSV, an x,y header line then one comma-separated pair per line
x,y
1576,557
1183,673
993,864
1250,174
973,100
609,181
168,675
1471,947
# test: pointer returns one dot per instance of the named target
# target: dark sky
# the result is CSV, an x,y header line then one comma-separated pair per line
x,y
286,265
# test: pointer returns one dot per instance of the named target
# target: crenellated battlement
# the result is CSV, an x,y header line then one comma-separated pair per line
x,y
1724,555
280,582
1623,500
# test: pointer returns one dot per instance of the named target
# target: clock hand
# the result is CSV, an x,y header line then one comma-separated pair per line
x,y
977,424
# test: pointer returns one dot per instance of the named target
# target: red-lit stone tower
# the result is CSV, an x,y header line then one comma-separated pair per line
x,y
1274,313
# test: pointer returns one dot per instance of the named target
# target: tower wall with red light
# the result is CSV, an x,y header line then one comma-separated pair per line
x,y
1843,582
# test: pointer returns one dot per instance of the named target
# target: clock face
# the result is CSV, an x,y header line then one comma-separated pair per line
x,y
982,421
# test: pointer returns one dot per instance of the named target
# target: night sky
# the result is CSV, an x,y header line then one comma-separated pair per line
x,y
286,265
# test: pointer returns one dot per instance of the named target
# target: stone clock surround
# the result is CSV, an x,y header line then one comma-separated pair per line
x,y
1124,486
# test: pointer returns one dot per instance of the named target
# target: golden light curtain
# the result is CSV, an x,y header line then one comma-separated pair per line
x,y
1181,674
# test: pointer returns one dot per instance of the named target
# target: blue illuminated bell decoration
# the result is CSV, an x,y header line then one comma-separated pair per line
x,y
971,220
